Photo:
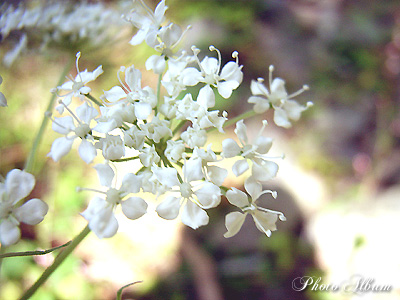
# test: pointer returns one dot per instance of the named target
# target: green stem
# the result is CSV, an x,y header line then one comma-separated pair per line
x,y
31,253
93,99
247,114
177,128
29,165
2,251
125,159
158,94
57,262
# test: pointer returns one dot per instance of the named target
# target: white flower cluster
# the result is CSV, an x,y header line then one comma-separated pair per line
x,y
165,132
57,22
169,134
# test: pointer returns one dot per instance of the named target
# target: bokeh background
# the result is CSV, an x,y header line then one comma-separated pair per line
x,y
338,184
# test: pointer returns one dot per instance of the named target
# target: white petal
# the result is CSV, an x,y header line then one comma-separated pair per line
x,y
258,89
167,176
116,93
241,132
193,216
169,208
225,88
86,113
104,224
281,118
264,171
216,174
131,183
142,110
278,90
261,104
237,197
191,76
240,167
9,233
105,173
265,221
293,109
233,223
206,97
263,144
60,148
87,151
253,187
134,207
209,195
160,11
95,205
193,170
138,38
133,78
156,63
106,127
18,185
63,125
230,148
32,212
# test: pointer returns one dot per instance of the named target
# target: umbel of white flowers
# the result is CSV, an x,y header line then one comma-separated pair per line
x,y
166,131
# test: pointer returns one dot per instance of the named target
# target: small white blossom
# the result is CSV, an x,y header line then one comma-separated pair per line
x,y
192,197
112,147
65,125
157,129
76,87
194,137
264,219
134,138
149,156
276,97
175,150
100,211
225,80
262,169
18,185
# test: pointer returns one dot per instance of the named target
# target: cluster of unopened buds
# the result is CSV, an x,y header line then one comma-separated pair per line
x,y
163,136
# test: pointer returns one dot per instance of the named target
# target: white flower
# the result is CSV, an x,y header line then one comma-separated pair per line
x,y
17,185
226,80
157,129
112,147
197,111
134,137
114,116
212,173
194,136
174,151
173,79
100,212
264,219
262,168
143,100
146,21
77,87
277,98
65,125
149,156
193,198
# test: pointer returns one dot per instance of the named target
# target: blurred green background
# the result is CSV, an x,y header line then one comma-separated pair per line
x,y
338,185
